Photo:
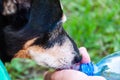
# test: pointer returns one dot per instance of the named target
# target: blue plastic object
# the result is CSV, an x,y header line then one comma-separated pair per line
x,y
108,67
87,68
3,72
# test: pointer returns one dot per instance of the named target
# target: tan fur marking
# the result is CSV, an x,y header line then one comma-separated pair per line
x,y
24,52
28,43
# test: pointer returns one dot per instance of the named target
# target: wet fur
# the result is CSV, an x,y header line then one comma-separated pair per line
x,y
36,29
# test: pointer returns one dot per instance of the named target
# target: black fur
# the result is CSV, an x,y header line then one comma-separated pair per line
x,y
3,23
16,22
42,20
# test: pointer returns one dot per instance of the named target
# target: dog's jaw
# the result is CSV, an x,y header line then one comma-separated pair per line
x,y
58,56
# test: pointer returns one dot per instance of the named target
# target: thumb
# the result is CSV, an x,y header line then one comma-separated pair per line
x,y
67,75
85,55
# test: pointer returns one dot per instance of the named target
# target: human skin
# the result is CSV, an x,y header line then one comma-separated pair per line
x,y
73,74
70,75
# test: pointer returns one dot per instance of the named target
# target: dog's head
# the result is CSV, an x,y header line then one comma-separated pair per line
x,y
55,49
42,38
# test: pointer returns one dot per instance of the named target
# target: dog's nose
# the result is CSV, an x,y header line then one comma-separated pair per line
x,y
77,59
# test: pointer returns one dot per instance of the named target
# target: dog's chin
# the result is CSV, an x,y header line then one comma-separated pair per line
x,y
47,60
61,67
54,65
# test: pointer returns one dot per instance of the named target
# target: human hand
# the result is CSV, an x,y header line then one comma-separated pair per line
x,y
73,74
70,75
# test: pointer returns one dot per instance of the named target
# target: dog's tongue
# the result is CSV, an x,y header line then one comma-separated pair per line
x,y
87,68
85,65
75,66
85,59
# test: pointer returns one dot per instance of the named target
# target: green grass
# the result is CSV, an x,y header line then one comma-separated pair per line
x,y
94,24
24,69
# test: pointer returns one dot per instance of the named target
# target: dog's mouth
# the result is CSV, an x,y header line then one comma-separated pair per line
x,y
75,66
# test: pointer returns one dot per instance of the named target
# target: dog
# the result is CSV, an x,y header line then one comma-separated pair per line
x,y
3,23
35,31
11,13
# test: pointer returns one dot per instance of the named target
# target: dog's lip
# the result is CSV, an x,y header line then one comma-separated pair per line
x,y
75,66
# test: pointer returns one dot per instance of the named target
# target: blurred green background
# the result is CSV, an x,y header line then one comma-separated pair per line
x,y
94,24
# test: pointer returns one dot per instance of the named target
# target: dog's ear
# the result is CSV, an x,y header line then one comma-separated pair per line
x,y
45,14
